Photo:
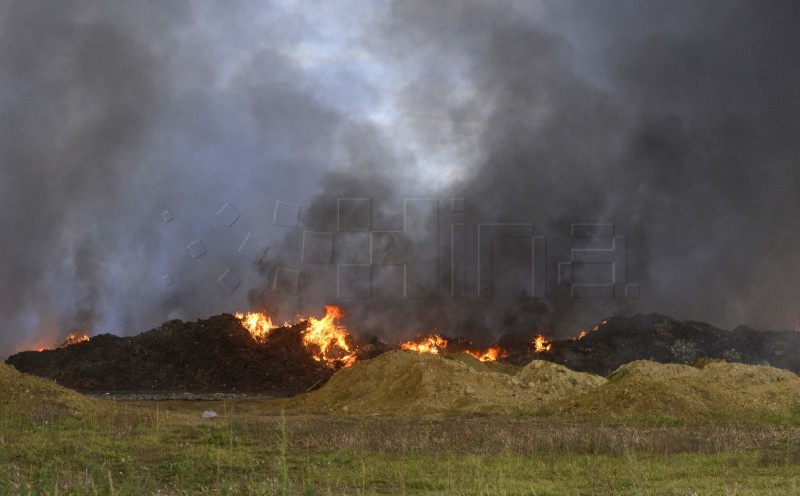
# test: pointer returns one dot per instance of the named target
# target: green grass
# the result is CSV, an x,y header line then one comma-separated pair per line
x,y
167,448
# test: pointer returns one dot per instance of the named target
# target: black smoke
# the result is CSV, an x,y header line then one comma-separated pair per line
x,y
677,122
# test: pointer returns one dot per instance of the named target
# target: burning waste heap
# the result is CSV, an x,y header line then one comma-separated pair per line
x,y
248,352
231,353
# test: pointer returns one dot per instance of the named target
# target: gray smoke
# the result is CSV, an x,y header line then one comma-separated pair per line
x,y
677,122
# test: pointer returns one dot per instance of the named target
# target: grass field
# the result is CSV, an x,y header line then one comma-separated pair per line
x,y
167,448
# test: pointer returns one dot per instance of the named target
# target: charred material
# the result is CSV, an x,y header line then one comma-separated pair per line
x,y
216,354
661,339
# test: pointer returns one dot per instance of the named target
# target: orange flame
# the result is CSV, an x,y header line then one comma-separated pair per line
x,y
491,355
327,340
432,344
580,336
258,324
73,338
540,344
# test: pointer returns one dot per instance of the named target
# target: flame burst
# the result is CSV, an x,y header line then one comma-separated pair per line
x,y
258,324
540,344
327,340
491,355
74,338
436,345
432,344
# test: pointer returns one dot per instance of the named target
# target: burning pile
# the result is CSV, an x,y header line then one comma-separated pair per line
x,y
74,338
258,324
249,352
213,355
325,339
328,341
437,345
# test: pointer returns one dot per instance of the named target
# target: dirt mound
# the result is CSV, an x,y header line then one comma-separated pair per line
x,y
710,391
495,366
555,381
216,354
41,399
405,382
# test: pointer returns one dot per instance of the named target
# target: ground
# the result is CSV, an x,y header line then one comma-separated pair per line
x,y
166,447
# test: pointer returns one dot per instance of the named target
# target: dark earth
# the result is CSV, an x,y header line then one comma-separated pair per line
x,y
216,354
219,355
662,339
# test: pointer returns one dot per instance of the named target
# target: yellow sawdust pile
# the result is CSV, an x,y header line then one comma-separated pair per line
x,y
553,381
405,382
708,391
22,394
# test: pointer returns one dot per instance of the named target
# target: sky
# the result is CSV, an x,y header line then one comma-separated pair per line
x,y
164,160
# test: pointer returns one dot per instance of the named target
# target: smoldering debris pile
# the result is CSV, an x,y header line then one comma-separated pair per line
x,y
216,354
222,355
620,340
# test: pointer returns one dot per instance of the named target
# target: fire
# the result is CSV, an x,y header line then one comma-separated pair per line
x,y
436,344
432,344
327,340
491,355
540,344
258,324
73,338
580,336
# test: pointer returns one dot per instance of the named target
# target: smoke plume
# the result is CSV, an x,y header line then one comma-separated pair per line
x,y
154,156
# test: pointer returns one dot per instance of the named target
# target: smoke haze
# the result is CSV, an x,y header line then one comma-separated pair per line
x,y
126,128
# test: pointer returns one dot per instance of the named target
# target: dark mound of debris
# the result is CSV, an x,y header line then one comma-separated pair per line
x,y
214,355
654,337
218,355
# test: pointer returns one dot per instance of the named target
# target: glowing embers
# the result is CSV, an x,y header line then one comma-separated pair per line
x,y
437,345
430,344
491,355
74,338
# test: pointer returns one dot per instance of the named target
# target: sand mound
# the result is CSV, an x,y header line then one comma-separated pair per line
x,y
404,382
22,394
502,367
712,390
554,381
